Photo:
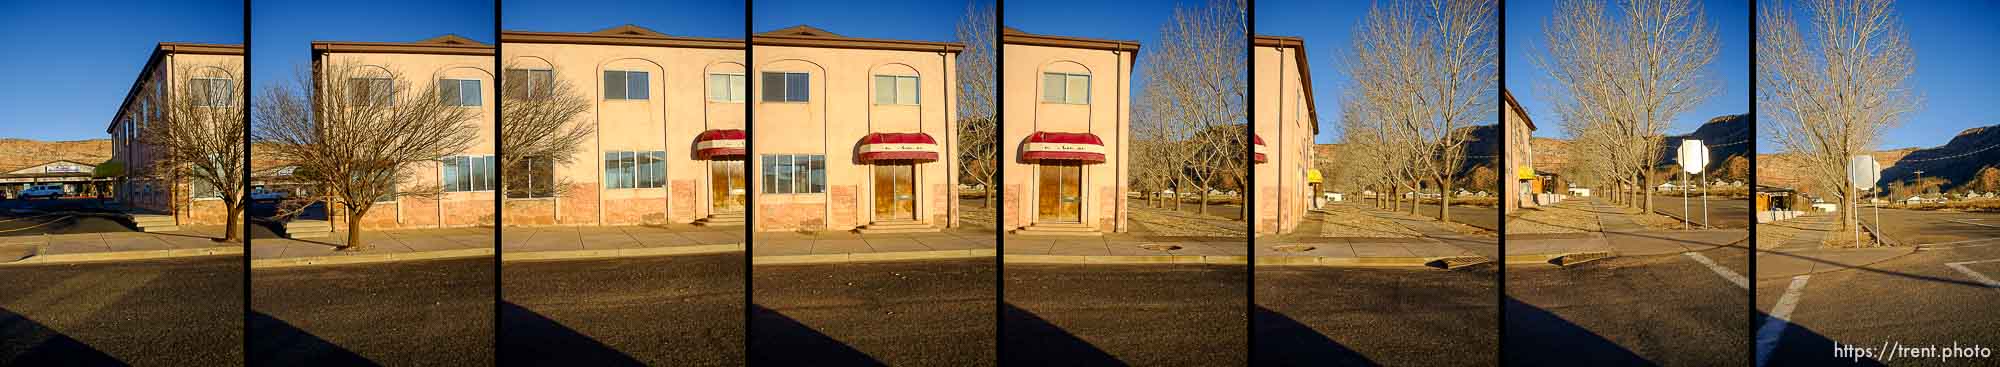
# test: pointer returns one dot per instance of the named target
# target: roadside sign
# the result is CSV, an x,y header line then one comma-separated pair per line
x,y
1693,156
1863,171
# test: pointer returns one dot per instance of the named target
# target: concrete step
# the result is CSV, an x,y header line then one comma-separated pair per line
x,y
721,220
308,226
297,235
896,227
1058,230
169,228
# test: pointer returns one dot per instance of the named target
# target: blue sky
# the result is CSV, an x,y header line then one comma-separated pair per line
x,y
1730,70
1955,56
82,57
713,19
1136,20
1326,27
282,32
913,20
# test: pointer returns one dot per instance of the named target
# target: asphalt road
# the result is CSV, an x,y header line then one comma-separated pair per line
x,y
1311,316
1484,218
182,312
918,313
427,313
658,311
1722,212
1930,297
1138,315
1654,310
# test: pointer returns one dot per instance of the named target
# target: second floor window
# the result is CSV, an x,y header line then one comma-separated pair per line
x,y
468,173
1065,88
725,87
459,92
528,83
371,91
210,92
787,87
625,84
895,89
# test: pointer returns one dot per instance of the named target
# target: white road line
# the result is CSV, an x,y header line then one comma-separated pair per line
x,y
1946,245
1732,276
1774,326
1969,221
1960,267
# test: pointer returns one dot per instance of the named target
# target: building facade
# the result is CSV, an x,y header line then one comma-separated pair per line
x,y
1521,182
853,133
463,66
76,178
1067,126
668,113
1286,126
174,71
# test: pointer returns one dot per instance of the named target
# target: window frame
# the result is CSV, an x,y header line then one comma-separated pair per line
x,y
802,174
1044,95
785,89
207,84
468,173
386,99
625,85
895,88
457,86
535,91
737,92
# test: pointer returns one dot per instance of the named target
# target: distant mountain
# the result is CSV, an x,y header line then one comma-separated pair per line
x,y
1957,161
21,153
1727,136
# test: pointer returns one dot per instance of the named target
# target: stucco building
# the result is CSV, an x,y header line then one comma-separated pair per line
x,y
1521,182
459,67
668,145
1286,123
173,72
853,133
1067,126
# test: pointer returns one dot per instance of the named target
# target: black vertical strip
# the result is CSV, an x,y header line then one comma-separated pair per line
x,y
999,180
750,187
244,220
499,198
1750,308
1249,189
1500,112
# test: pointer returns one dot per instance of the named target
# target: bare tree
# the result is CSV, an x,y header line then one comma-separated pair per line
x,y
1827,91
978,127
539,125
360,135
1197,88
1426,70
197,133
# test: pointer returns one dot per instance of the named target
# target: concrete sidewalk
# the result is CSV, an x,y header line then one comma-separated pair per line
x,y
1436,245
772,248
1798,248
589,242
386,246
116,246
1126,248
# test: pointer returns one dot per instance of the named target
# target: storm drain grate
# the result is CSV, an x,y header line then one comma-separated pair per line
x,y
1160,247
1292,248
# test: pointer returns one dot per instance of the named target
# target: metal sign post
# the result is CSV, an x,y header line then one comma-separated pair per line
x,y
1693,159
1862,172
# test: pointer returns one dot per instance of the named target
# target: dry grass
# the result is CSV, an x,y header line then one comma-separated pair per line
x,y
1974,206
1167,222
1559,218
1356,221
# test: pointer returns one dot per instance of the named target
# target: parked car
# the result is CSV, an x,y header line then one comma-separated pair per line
x,y
44,191
262,194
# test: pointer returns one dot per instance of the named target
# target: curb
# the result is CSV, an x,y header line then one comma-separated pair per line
x,y
367,258
1436,262
1564,259
507,256
1124,259
127,255
861,257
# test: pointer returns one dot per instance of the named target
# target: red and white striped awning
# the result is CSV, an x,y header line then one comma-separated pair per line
x,y
1257,147
1084,147
893,146
724,144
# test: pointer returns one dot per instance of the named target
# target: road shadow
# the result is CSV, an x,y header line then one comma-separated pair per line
x,y
528,338
1800,346
1283,341
1033,341
1537,337
274,342
25,342
779,340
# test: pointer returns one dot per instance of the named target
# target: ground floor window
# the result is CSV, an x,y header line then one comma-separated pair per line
x,y
468,173
794,173
204,190
532,177
635,170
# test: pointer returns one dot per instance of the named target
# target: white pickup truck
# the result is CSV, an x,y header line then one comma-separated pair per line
x,y
262,194
43,191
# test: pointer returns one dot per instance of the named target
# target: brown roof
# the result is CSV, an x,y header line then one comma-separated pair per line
x,y
1305,70
449,44
1010,35
1517,108
159,53
808,36
624,35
